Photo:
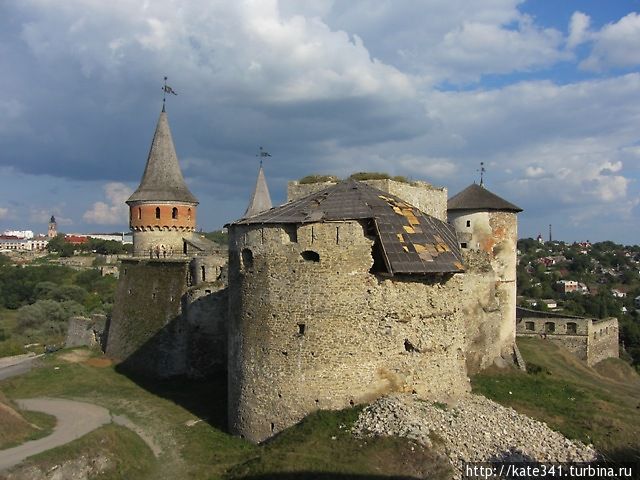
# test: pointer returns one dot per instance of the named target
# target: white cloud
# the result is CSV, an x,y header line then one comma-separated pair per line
x,y
615,45
4,213
115,211
578,29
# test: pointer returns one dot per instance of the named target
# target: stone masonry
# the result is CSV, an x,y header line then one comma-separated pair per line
x,y
321,331
589,340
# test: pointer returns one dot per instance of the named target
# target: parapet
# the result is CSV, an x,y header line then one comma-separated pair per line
x,y
428,198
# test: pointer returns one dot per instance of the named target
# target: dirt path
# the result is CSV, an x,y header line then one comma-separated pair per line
x,y
75,419
12,366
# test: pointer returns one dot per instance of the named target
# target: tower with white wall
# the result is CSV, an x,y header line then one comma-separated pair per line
x,y
488,223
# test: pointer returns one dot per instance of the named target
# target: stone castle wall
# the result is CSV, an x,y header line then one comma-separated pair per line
x,y
168,322
312,328
146,331
424,196
589,340
603,340
496,234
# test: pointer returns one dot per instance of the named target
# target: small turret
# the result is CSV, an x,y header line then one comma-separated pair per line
x,y
260,199
486,222
162,210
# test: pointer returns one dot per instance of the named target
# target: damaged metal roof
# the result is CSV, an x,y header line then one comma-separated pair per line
x,y
411,241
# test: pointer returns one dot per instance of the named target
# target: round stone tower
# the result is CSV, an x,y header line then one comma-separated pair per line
x,y
484,221
162,211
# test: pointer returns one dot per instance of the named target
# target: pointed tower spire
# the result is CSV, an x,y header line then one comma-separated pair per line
x,y
260,200
162,179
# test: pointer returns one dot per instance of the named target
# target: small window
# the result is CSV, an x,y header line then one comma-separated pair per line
x,y
207,291
530,326
203,271
468,223
292,233
310,256
189,214
337,235
139,213
463,245
184,248
572,328
247,258
157,212
549,327
302,328
174,213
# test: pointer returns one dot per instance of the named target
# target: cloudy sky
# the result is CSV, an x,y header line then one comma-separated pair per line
x,y
545,92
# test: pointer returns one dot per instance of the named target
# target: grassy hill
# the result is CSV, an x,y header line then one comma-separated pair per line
x,y
599,405
187,421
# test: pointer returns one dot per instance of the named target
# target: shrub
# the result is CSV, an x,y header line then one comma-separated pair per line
x,y
318,179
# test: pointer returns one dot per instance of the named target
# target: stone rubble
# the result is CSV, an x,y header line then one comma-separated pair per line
x,y
475,429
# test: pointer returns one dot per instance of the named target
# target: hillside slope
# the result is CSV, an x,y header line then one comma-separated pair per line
x,y
599,405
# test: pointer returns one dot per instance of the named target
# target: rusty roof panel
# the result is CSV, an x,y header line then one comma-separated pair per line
x,y
412,241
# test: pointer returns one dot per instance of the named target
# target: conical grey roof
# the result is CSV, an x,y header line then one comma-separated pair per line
x,y
260,199
162,179
476,197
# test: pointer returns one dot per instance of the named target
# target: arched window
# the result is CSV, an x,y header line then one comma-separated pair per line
x,y
139,213
158,212
189,214
174,213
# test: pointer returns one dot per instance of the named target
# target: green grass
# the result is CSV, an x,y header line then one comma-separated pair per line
x,y
15,431
578,401
129,456
204,450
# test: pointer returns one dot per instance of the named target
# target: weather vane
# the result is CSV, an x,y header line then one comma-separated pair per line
x,y
166,89
262,153
481,170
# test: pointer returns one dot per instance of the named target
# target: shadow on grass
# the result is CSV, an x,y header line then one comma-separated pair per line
x,y
206,398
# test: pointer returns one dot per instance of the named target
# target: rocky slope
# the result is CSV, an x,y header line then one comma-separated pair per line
x,y
475,429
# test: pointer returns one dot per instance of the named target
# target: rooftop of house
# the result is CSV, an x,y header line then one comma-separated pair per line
x,y
411,241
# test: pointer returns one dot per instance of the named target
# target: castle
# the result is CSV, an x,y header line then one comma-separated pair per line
x,y
348,291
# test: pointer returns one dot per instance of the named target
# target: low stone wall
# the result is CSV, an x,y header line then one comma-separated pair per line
x,y
589,340
85,332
